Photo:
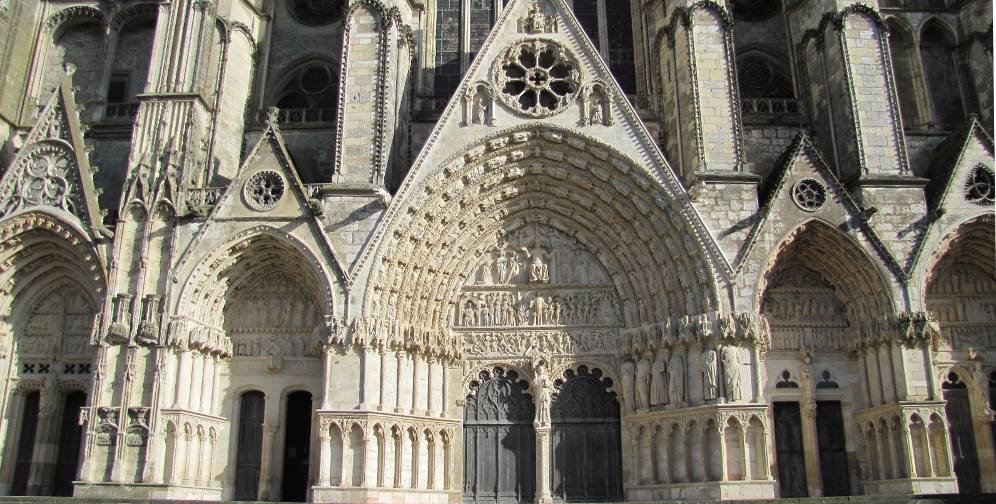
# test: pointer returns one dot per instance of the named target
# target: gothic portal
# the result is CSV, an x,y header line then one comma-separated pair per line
x,y
496,251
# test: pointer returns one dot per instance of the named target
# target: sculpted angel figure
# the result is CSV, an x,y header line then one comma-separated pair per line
x,y
628,372
710,382
676,380
658,383
643,384
731,370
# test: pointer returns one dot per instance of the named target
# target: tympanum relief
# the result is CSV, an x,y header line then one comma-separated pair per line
x,y
58,329
961,298
804,313
273,316
538,289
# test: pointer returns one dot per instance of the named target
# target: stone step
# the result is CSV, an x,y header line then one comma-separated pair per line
x,y
853,499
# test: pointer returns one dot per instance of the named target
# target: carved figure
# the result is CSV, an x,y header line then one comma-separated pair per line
x,y
596,113
658,383
731,371
643,384
628,372
543,386
539,271
676,380
501,263
710,381
480,109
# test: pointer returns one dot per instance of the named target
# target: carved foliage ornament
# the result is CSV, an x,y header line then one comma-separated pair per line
x,y
537,77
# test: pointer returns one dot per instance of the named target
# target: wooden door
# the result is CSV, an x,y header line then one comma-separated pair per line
x,y
833,449
788,443
25,443
70,436
297,447
250,448
585,439
499,440
959,412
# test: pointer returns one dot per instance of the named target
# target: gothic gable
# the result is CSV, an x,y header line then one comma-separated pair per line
x,y
804,189
52,169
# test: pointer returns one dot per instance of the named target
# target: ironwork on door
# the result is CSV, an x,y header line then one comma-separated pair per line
x,y
297,447
959,412
788,443
585,438
70,435
499,440
250,448
833,451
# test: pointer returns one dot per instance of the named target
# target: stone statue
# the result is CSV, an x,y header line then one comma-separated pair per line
x,y
710,381
480,109
658,383
595,113
514,267
643,384
543,386
539,271
731,371
676,380
628,370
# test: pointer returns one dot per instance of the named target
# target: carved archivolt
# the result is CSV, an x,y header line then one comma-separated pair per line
x,y
436,236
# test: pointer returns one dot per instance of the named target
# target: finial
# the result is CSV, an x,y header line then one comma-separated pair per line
x,y
272,114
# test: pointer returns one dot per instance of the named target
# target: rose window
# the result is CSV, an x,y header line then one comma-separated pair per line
x,y
980,188
537,77
264,190
315,12
809,194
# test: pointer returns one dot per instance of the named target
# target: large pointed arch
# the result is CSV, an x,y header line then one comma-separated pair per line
x,y
258,251
973,242
860,283
441,226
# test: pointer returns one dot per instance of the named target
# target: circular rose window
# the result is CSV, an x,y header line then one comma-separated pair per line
x,y
809,194
537,77
980,188
315,12
264,190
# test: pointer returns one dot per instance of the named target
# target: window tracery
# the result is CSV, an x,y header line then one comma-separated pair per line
x,y
455,46
537,77
309,95
809,194
264,190
980,187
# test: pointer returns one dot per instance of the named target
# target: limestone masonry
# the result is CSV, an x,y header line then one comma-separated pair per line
x,y
496,251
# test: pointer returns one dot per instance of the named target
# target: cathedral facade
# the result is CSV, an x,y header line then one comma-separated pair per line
x,y
496,251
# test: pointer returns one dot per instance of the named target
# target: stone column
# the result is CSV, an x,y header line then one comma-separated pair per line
x,y
384,379
265,472
399,376
544,494
183,380
324,455
811,449
216,399
327,377
371,377
196,381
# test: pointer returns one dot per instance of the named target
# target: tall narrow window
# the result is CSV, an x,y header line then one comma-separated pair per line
x,y
937,48
447,73
904,68
482,18
609,25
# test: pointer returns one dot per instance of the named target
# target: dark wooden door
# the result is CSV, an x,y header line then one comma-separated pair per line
x,y
966,462
788,443
297,447
499,440
70,435
833,450
25,444
585,439
250,448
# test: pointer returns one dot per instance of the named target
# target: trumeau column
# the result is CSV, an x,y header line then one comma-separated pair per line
x,y
704,125
810,441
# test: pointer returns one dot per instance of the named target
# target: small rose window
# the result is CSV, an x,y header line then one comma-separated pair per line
x,y
537,77
264,190
980,188
809,194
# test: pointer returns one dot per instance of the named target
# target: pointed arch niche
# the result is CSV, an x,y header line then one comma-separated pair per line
x,y
822,293
253,314
51,286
